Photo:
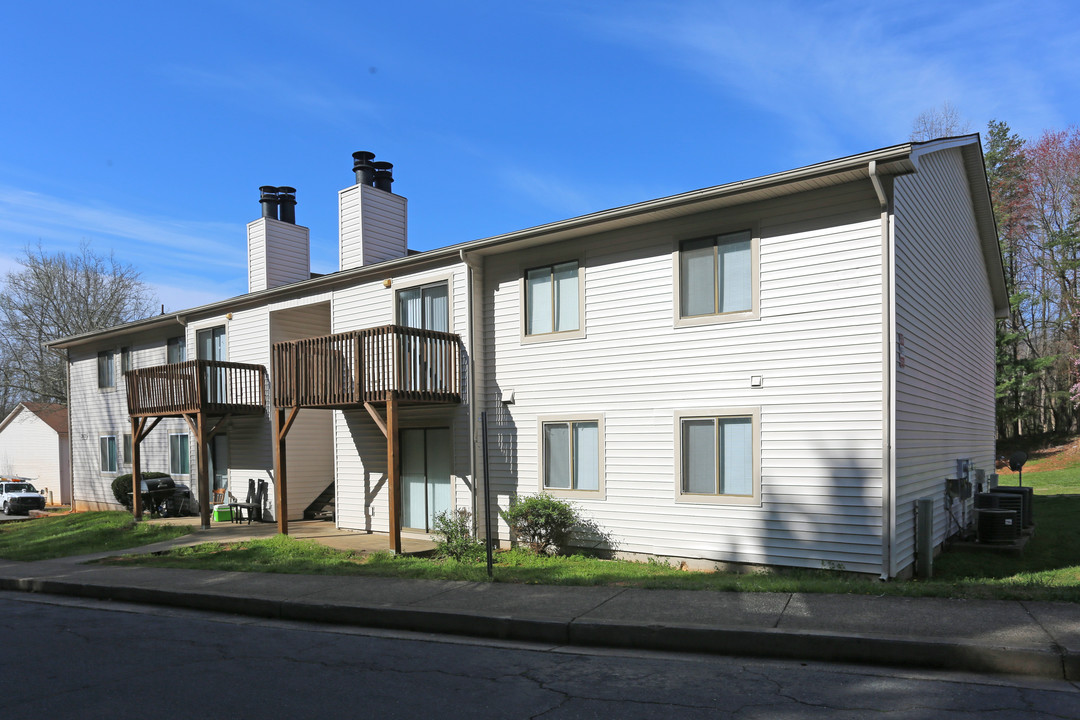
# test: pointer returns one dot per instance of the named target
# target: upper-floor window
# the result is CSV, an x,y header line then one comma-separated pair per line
x,y
718,277
105,372
176,349
125,359
553,299
425,306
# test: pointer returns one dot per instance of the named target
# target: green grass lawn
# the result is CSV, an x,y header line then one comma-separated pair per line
x,y
79,534
1049,482
1048,570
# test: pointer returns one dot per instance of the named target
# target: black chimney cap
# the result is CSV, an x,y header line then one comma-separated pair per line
x,y
269,200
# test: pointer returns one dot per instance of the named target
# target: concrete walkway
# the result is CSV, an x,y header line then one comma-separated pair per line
x,y
1028,638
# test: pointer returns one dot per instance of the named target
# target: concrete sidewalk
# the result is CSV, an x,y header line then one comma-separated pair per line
x,y
1029,638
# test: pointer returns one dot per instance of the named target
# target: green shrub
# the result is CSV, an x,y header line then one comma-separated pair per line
x,y
121,488
541,521
454,538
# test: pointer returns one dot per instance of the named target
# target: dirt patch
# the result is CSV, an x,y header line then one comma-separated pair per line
x,y
1058,457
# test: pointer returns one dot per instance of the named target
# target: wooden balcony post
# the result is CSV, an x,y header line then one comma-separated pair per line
x,y
393,472
203,458
136,472
281,495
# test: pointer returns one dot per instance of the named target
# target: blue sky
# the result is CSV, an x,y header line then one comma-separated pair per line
x,y
146,129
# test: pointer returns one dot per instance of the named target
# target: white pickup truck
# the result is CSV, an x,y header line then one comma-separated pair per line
x,y
20,497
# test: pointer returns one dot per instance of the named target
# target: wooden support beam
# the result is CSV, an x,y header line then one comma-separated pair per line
x,y
203,478
393,473
218,426
145,430
281,427
374,413
136,473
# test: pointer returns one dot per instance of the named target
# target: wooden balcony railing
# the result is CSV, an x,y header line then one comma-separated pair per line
x,y
372,365
196,386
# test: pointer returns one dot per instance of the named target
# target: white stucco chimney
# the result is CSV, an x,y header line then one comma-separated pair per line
x,y
372,219
279,251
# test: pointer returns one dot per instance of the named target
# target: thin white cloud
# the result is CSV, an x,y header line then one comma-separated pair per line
x,y
834,69
179,258
546,191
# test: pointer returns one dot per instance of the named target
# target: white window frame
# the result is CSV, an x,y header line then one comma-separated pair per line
x,y
600,493
410,283
753,313
523,295
754,413
173,458
109,365
115,455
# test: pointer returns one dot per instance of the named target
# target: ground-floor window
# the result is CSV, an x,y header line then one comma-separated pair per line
x,y
108,454
179,455
719,457
572,455
127,448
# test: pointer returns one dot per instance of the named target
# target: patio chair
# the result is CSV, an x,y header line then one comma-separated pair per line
x,y
251,506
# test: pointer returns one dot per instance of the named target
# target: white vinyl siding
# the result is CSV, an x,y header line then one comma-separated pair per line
x,y
944,406
31,448
816,344
360,447
278,254
103,412
373,226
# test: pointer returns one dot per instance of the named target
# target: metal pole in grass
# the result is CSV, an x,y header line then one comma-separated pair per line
x,y
487,493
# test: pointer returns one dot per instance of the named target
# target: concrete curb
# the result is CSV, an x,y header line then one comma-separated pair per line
x,y
1052,663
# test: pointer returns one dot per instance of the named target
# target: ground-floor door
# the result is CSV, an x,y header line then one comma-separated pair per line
x,y
425,475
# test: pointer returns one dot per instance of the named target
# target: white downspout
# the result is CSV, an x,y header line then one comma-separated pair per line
x,y
476,355
888,486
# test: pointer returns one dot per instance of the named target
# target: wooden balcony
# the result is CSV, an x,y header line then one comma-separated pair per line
x,y
379,364
196,386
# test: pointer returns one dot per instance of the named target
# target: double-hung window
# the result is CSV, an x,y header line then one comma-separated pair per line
x,y
105,371
719,457
108,454
718,278
553,301
572,459
179,455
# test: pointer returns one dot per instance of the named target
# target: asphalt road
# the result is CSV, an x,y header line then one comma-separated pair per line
x,y
68,658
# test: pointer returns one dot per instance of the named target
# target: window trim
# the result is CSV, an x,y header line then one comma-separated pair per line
x,y
754,313
523,296
101,460
188,458
109,365
601,490
754,413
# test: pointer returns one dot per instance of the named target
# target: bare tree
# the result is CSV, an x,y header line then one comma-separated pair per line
x,y
939,122
54,296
